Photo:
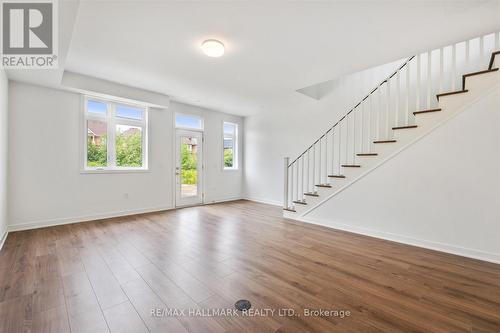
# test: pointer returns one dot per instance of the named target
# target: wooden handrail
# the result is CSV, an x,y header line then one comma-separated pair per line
x,y
351,110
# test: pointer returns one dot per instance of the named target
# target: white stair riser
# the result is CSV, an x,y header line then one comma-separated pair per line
x,y
405,136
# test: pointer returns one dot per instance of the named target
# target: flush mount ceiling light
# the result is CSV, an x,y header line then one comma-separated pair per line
x,y
213,48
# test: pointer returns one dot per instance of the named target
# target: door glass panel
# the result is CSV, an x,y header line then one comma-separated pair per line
x,y
189,167
228,153
187,121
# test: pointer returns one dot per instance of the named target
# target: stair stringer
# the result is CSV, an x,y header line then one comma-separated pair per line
x,y
451,106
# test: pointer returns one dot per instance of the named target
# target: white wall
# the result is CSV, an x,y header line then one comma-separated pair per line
x,y
289,130
3,154
45,183
442,192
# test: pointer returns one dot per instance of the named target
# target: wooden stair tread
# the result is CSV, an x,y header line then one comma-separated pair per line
x,y
336,176
323,185
366,154
404,127
426,111
490,70
290,210
492,59
351,165
384,141
451,93
300,202
312,194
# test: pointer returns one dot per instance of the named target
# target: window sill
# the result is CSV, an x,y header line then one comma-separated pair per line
x,y
98,171
230,169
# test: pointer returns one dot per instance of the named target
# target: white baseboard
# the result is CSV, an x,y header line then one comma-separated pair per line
x,y
4,238
220,200
93,217
86,218
442,247
265,201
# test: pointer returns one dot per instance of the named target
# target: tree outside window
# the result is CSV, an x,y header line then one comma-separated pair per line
x,y
230,144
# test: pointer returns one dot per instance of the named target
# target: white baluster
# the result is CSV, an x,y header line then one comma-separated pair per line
x,y
307,172
441,69
419,72
398,85
407,92
292,191
333,150
291,186
370,110
467,54
302,180
362,125
346,139
296,180
379,111
387,108
429,78
481,51
286,181
354,136
320,174
326,157
453,66
314,169
340,146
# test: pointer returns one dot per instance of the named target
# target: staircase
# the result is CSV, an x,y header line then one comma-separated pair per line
x,y
424,92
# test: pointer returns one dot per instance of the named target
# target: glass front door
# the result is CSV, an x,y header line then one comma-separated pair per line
x,y
188,170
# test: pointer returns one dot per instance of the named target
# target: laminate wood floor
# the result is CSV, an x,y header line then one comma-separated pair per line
x,y
124,274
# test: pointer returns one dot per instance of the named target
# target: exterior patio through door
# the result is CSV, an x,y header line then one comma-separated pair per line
x,y
189,168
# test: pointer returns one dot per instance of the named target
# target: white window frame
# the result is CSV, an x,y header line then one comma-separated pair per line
x,y
111,121
235,146
202,129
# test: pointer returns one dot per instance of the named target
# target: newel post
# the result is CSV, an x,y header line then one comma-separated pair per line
x,y
285,196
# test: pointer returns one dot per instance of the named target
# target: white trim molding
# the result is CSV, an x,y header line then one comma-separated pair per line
x,y
4,238
111,90
222,200
96,217
85,218
264,201
436,246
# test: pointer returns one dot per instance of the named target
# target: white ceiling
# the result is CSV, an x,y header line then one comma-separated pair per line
x,y
272,47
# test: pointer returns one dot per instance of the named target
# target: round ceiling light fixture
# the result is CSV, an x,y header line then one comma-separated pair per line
x,y
213,48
